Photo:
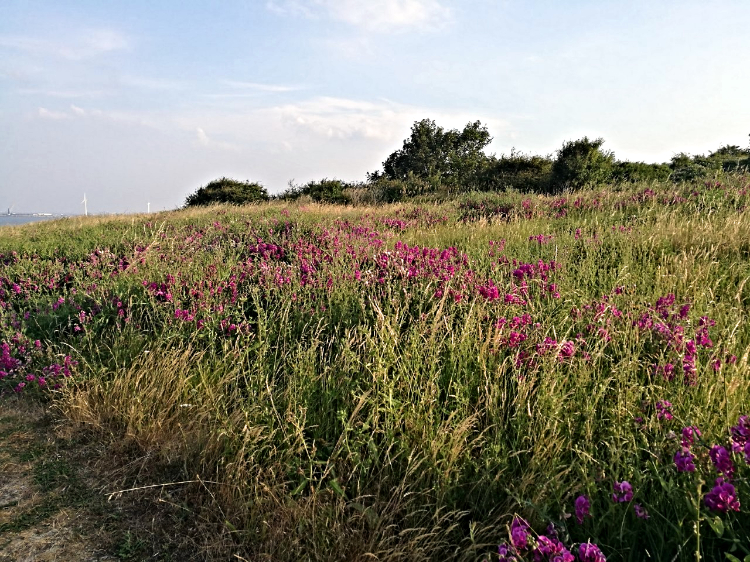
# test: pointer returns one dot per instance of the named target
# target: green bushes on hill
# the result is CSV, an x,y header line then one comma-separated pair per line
x,y
227,190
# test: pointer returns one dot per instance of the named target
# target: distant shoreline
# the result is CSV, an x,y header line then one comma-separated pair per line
x,y
15,219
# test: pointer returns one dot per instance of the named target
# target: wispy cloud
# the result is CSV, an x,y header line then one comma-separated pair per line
x,y
45,113
256,86
384,16
81,45
65,94
204,140
151,83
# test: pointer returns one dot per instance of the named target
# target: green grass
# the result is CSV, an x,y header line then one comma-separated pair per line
x,y
345,418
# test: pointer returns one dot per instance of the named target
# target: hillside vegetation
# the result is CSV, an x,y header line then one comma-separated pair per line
x,y
500,374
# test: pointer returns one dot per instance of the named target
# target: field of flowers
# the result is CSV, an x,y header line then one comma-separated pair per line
x,y
501,377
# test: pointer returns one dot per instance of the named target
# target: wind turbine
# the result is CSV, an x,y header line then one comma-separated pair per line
x,y
149,207
85,208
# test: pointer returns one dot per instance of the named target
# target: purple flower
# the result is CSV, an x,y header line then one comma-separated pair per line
x,y
684,460
722,460
519,534
663,410
550,548
689,435
722,497
588,552
623,492
583,505
740,434
641,512
506,553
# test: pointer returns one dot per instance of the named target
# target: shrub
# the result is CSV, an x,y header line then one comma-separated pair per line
x,y
323,191
580,163
632,172
522,172
227,190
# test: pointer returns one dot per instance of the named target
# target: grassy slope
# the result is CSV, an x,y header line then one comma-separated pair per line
x,y
331,414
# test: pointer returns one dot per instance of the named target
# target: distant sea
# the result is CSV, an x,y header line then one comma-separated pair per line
x,y
15,220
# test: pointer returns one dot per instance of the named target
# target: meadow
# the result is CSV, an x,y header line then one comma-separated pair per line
x,y
496,377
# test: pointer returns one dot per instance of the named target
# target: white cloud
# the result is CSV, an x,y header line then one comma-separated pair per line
x,y
204,140
342,119
381,120
373,15
45,113
77,110
202,137
256,86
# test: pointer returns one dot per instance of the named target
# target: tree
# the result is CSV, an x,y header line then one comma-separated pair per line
x,y
227,190
438,156
581,162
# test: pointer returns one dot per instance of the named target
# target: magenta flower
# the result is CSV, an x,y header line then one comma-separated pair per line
x,y
641,512
588,552
623,492
722,497
684,460
552,549
740,433
663,410
567,350
583,505
519,534
689,435
722,460
506,553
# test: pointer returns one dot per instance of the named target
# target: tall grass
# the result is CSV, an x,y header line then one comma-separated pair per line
x,y
335,393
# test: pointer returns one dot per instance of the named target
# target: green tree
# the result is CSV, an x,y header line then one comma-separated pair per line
x,y
581,162
438,156
227,190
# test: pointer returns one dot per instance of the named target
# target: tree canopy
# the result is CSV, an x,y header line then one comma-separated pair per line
x,y
431,153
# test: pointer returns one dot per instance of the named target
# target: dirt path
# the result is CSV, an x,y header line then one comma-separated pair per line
x,y
54,503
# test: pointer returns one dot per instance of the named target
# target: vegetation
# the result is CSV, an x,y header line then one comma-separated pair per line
x,y
412,382
437,165
226,190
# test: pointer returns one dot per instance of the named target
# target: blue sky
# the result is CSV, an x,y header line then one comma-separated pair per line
x,y
144,101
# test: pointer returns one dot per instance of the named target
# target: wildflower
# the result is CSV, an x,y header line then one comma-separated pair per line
x,y
641,512
689,435
519,534
506,553
663,408
740,433
588,552
684,460
583,505
552,549
567,349
722,460
623,492
722,497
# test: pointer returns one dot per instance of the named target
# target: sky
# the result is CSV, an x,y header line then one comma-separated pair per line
x,y
136,103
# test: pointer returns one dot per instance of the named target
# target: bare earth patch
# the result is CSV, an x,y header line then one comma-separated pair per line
x,y
54,497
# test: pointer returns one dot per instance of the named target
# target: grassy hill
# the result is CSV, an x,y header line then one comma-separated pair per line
x,y
412,381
